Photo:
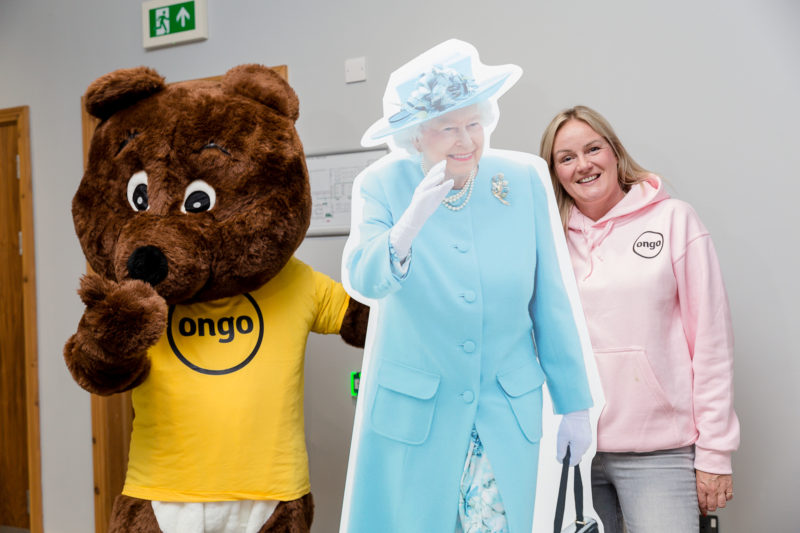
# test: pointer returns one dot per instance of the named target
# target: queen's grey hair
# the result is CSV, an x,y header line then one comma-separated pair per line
x,y
406,139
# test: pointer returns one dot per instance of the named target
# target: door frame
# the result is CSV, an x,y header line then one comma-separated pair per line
x,y
112,416
20,118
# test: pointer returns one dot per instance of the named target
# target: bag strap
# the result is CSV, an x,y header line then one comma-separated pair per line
x,y
578,495
562,494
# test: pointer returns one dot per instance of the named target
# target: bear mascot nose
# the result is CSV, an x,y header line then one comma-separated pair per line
x,y
148,264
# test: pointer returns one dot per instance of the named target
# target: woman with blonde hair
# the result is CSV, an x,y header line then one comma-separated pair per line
x,y
660,327
628,170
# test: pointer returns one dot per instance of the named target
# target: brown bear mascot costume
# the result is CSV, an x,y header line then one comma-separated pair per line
x,y
194,200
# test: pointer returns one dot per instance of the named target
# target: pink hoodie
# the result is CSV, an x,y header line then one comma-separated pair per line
x,y
660,327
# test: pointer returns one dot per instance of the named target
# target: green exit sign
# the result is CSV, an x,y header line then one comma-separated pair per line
x,y
172,19
166,22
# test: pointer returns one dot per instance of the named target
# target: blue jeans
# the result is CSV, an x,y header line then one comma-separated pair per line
x,y
653,492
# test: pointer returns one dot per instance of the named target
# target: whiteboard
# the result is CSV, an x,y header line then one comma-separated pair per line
x,y
331,176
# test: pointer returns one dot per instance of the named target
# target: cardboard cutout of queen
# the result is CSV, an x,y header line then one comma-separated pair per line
x,y
459,251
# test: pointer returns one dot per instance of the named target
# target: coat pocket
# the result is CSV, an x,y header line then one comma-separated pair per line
x,y
404,402
523,389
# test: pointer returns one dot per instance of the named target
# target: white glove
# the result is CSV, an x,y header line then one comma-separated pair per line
x,y
427,196
575,430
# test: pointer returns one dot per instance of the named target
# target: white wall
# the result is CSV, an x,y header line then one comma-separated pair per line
x,y
705,93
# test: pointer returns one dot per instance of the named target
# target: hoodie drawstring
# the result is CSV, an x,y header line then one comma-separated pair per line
x,y
594,243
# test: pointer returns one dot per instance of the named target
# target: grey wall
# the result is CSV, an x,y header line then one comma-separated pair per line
x,y
705,93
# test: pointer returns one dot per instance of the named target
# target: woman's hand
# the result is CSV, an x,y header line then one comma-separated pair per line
x,y
427,197
575,430
713,490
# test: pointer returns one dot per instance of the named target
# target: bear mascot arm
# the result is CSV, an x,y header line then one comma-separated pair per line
x,y
196,193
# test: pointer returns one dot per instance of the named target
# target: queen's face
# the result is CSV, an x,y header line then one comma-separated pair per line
x,y
457,137
586,167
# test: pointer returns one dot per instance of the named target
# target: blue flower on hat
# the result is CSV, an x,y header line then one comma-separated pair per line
x,y
437,90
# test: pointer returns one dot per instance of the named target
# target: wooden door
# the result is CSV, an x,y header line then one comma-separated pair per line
x,y
112,416
20,471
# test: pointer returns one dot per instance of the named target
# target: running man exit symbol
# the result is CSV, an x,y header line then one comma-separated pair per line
x,y
171,19
162,21
166,22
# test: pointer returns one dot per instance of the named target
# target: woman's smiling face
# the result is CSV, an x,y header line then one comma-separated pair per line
x,y
457,137
586,167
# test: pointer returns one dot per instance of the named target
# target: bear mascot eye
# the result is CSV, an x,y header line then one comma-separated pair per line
x,y
137,191
199,197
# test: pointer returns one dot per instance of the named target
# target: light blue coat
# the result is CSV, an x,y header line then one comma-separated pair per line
x,y
453,348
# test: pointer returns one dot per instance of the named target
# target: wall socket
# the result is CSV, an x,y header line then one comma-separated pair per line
x,y
355,70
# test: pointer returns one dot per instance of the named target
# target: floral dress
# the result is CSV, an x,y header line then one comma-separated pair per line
x,y
480,509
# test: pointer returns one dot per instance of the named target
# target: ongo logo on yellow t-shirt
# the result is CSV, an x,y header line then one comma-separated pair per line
x,y
213,339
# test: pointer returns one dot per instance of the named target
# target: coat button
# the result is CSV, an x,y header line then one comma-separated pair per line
x,y
468,346
467,396
462,246
469,296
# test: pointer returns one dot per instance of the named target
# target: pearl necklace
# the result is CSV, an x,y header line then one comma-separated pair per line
x,y
450,201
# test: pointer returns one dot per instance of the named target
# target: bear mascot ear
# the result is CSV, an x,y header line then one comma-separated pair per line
x,y
263,85
120,89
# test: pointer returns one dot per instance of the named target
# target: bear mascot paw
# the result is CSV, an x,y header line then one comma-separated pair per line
x,y
194,200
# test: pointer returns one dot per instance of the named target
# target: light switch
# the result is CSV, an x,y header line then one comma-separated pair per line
x,y
355,69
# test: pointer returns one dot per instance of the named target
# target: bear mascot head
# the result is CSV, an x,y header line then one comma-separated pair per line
x,y
194,200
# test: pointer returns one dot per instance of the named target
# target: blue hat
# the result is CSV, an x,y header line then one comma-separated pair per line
x,y
449,76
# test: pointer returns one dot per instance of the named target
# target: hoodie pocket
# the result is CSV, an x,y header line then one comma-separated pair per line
x,y
404,402
637,414
523,390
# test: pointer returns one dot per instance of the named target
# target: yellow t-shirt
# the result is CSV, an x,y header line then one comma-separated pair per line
x,y
220,416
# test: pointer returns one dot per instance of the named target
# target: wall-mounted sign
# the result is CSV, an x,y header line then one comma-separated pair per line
x,y
355,383
168,22
331,176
